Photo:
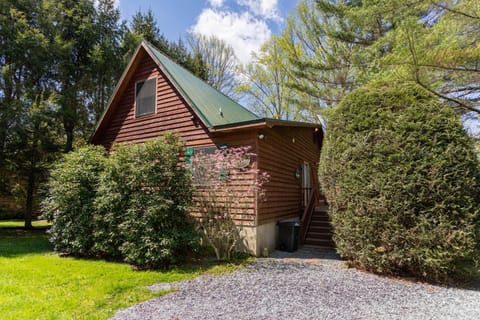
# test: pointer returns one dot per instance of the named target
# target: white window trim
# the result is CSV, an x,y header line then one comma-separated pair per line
x,y
135,98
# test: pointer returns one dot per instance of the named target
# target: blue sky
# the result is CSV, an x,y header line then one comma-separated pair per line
x,y
244,24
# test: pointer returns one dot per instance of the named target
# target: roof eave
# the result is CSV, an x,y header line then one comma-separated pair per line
x,y
184,95
263,123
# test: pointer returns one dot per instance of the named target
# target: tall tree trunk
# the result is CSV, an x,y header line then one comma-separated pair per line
x,y
3,137
69,115
30,195
69,142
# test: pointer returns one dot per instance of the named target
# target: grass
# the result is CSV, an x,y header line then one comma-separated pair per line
x,y
35,283
21,223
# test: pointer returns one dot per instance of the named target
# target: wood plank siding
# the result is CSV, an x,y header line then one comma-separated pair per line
x,y
285,147
172,112
282,151
237,139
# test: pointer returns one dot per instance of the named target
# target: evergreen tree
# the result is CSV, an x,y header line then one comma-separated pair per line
x,y
75,28
144,26
434,43
336,46
29,137
106,60
322,67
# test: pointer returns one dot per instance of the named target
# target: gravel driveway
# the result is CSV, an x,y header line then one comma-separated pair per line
x,y
286,287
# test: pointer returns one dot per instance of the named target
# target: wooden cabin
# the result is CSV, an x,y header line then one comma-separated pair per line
x,y
155,95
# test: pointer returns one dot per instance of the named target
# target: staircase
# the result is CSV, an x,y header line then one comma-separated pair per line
x,y
319,231
315,227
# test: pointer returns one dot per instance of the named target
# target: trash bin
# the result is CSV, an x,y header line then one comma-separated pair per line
x,y
288,235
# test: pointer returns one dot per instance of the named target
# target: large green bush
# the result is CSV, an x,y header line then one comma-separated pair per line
x,y
131,205
402,181
69,203
143,201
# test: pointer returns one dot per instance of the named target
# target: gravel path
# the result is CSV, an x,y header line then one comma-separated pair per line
x,y
305,287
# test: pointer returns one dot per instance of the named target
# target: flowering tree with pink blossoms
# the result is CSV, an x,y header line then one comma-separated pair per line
x,y
227,186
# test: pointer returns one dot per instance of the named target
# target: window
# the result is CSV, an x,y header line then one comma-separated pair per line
x,y
204,163
145,94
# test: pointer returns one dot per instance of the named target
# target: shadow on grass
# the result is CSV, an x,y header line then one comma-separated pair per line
x,y
16,242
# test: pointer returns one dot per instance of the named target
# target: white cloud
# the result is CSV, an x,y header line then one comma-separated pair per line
x,y
216,3
243,31
263,8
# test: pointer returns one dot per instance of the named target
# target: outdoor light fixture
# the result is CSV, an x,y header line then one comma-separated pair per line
x,y
297,173
261,136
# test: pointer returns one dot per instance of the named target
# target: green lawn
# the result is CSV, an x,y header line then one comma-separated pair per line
x,y
35,283
21,223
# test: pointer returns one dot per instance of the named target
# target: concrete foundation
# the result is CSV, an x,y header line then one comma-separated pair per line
x,y
249,239
267,237
258,238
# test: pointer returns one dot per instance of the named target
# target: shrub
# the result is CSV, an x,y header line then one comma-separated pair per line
x,y
69,201
132,205
401,177
226,186
143,201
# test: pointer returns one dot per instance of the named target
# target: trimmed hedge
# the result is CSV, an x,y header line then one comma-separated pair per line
x,y
402,180
131,205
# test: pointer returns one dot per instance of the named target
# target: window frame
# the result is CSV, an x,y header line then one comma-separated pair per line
x,y
196,179
190,152
135,98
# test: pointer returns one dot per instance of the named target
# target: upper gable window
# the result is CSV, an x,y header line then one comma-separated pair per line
x,y
145,94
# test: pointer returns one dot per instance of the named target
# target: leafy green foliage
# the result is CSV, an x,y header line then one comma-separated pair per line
x,y
322,68
132,205
402,179
143,201
266,84
59,64
433,43
72,190
335,47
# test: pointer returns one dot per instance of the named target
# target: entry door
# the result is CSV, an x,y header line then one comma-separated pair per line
x,y
306,182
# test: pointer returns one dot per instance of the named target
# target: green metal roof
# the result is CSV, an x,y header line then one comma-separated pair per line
x,y
215,108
